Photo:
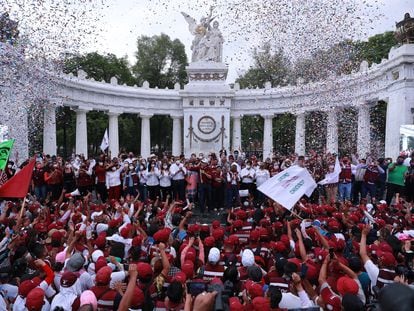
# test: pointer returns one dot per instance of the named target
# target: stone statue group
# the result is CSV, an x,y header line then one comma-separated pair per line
x,y
208,41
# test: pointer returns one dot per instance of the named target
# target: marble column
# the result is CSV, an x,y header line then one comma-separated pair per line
x,y
177,136
267,136
332,132
49,130
364,134
236,139
113,134
145,135
81,132
300,134
400,107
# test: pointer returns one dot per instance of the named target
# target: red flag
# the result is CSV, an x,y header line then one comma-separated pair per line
x,y
18,185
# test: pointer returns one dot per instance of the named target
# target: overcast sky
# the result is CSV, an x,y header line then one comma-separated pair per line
x,y
125,20
121,22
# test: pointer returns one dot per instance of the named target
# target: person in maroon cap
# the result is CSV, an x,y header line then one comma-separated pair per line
x,y
327,299
104,294
69,296
36,301
383,274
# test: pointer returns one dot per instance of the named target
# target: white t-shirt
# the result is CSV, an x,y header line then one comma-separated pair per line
x,y
372,271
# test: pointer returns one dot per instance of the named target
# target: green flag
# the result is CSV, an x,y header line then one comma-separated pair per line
x,y
5,149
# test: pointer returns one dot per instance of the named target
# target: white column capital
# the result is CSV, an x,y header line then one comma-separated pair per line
x,y
80,110
146,115
300,113
238,117
114,113
177,117
267,116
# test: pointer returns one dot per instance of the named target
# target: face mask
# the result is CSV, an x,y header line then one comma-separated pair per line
x,y
248,166
114,168
246,203
152,165
55,166
177,162
9,166
100,163
141,167
165,166
131,167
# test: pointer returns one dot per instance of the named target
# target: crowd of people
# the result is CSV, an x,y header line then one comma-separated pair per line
x,y
131,233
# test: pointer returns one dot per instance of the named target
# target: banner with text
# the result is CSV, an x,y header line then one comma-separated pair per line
x,y
287,187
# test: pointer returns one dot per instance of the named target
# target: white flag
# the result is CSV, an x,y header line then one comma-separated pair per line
x,y
105,141
287,187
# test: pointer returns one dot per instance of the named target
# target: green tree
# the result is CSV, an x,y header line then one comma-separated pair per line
x,y
101,67
160,61
377,47
269,65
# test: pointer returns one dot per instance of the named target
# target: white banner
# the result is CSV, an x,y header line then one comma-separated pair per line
x,y
105,141
287,187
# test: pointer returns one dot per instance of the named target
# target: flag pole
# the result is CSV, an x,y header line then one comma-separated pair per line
x,y
23,206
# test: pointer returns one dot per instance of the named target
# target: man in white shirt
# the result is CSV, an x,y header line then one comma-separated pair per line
x,y
113,180
178,172
248,176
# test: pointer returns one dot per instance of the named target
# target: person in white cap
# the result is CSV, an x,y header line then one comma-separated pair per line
x,y
214,268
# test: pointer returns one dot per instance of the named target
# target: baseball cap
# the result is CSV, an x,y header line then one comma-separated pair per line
x,y
346,285
88,298
214,255
387,258
332,301
26,286
75,262
144,270
254,289
247,258
35,299
103,277
68,279
96,254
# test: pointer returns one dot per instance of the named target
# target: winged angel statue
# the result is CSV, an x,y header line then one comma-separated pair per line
x,y
208,41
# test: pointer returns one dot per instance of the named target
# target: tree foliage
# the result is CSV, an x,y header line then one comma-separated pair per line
x,y
377,47
160,61
101,67
269,66
342,58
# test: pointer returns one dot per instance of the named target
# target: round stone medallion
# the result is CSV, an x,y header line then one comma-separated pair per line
x,y
206,125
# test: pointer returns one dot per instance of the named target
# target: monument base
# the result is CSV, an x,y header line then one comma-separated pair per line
x,y
206,106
